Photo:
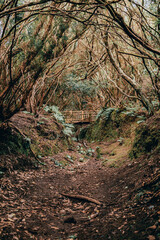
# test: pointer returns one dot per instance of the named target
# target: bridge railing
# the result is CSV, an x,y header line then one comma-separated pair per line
x,y
80,116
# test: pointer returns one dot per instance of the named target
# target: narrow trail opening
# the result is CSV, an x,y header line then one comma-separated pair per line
x,y
86,192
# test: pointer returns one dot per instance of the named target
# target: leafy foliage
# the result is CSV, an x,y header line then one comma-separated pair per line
x,y
56,113
68,128
84,87
131,111
105,113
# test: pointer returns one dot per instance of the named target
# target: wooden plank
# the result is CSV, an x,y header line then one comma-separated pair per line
x,y
80,116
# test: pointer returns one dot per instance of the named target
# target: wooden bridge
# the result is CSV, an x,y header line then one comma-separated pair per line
x,y
80,116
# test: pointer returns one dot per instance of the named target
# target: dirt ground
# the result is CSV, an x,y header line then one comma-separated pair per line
x,y
90,191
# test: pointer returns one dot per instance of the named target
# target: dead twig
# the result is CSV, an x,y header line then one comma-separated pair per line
x,y
81,197
70,161
84,144
17,129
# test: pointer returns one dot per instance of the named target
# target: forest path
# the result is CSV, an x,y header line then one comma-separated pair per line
x,y
33,206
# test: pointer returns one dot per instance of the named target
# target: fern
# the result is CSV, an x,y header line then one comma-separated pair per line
x,y
142,119
131,111
68,128
105,113
56,113
156,104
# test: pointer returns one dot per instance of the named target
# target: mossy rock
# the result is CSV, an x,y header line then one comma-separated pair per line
x,y
12,142
46,131
116,123
147,138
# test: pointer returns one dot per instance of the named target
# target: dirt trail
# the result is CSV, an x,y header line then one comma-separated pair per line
x,y
33,206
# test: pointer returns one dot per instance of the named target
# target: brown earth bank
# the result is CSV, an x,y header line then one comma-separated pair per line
x,y
87,191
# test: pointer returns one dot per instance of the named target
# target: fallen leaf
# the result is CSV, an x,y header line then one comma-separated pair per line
x,y
151,237
153,227
53,227
11,215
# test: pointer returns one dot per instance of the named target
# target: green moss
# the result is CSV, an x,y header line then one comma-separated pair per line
x,y
47,150
36,149
44,149
98,151
12,142
147,139
113,165
116,124
112,153
101,130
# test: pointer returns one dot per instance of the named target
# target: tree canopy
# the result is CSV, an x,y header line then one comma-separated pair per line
x,y
75,52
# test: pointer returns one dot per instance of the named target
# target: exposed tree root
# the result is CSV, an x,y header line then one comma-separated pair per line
x,y
81,197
